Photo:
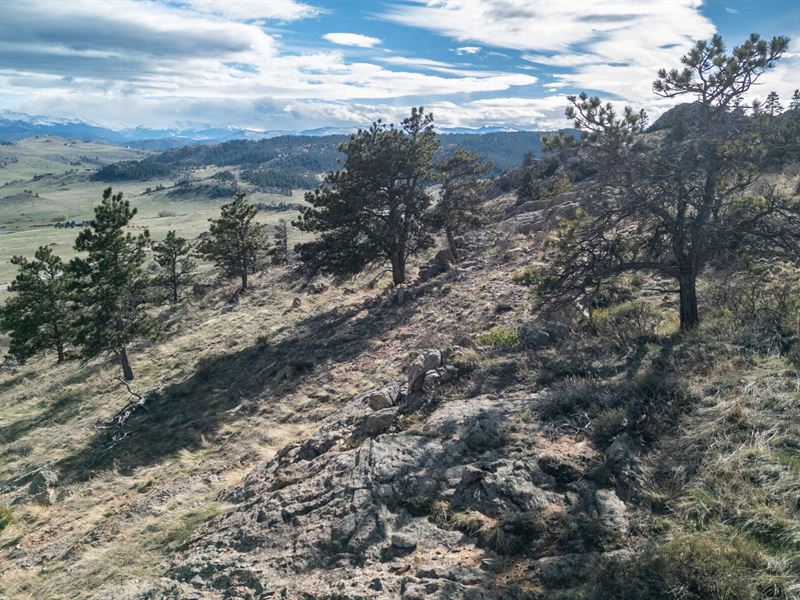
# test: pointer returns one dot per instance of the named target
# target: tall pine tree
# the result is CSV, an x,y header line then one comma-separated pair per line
x,y
38,316
110,282
280,252
461,194
236,242
172,255
374,210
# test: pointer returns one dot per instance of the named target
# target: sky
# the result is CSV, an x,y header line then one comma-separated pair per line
x,y
303,64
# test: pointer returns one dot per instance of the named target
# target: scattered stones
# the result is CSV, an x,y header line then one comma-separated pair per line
x,y
403,541
440,263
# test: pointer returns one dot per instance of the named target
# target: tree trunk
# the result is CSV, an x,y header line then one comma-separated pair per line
x,y
688,292
59,342
127,372
174,283
451,242
398,270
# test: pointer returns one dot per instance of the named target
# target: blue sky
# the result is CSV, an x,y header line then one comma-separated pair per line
x,y
300,64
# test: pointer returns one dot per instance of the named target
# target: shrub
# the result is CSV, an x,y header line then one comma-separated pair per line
x,y
609,424
498,338
528,277
626,323
6,518
166,213
759,306
706,565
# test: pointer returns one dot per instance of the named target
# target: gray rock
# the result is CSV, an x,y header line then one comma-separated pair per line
x,y
42,487
384,397
425,362
403,541
533,337
621,457
569,570
332,516
377,422
566,570
612,512
317,287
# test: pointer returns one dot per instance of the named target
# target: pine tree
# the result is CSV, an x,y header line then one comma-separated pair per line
x,y
38,316
236,243
461,195
772,105
110,282
795,104
374,210
684,203
172,255
281,254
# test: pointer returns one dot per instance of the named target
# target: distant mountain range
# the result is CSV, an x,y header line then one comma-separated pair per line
x,y
16,126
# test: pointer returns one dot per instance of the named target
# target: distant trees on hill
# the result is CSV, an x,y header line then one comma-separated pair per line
x,y
293,161
132,170
281,179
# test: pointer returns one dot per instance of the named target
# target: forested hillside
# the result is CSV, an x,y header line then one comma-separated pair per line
x,y
297,157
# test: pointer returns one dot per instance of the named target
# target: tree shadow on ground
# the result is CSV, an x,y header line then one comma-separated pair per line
x,y
225,388
58,412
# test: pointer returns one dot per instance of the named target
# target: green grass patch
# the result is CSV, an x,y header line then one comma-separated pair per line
x,y
498,338
6,517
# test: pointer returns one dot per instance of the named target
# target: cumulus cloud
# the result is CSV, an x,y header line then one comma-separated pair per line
x,y
285,11
352,39
134,62
615,47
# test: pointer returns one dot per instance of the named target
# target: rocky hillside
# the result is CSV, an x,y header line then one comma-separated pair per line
x,y
330,440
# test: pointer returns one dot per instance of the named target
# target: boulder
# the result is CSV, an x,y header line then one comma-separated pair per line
x,y
533,337
42,487
384,397
612,513
377,422
427,361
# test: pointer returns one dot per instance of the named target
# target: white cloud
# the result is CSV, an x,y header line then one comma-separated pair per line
x,y
352,39
467,50
614,46
130,63
284,11
731,11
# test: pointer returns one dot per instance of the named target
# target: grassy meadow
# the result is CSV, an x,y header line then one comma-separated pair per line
x,y
46,179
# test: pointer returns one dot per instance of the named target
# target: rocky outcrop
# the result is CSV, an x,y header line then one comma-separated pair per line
x,y
367,507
